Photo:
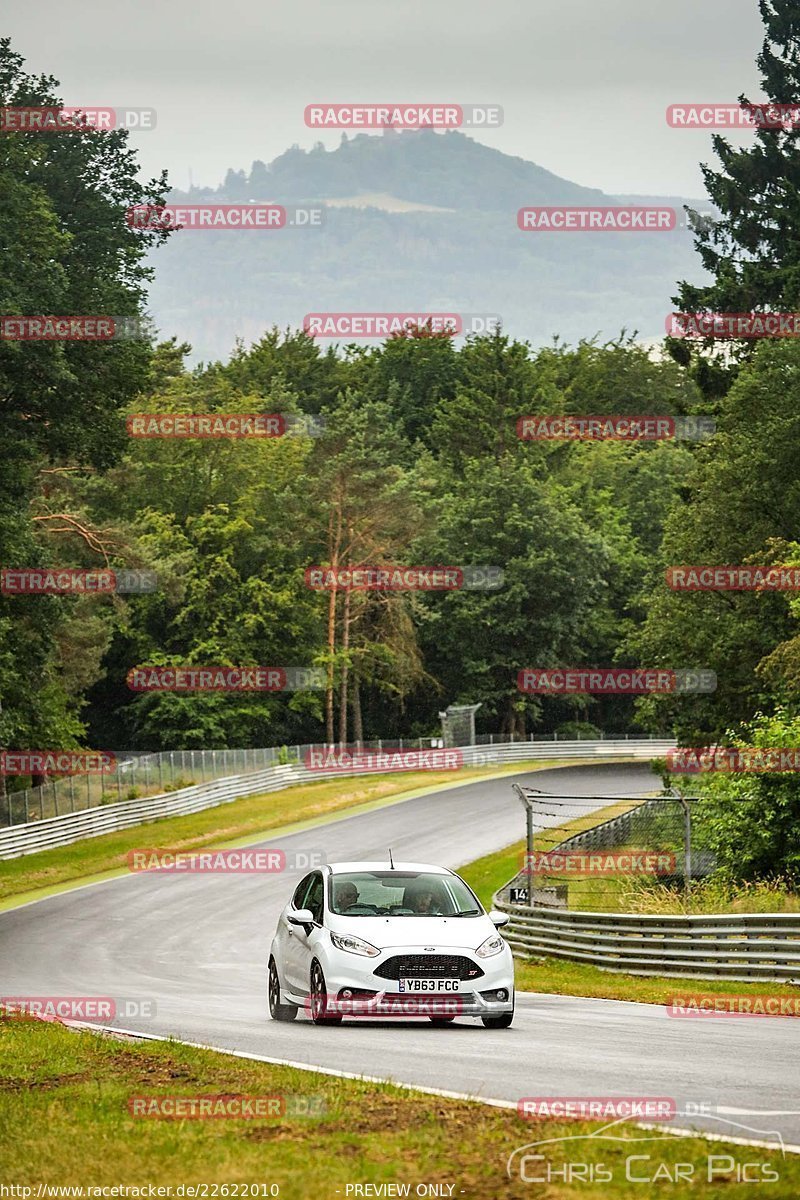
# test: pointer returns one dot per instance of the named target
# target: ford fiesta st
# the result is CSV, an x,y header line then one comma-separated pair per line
x,y
379,939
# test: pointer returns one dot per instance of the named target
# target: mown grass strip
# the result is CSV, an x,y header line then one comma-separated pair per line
x,y
65,1119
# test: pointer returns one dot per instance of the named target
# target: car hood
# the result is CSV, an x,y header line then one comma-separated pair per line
x,y
441,933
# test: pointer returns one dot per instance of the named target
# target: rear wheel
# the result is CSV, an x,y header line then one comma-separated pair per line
x,y
278,1011
320,1013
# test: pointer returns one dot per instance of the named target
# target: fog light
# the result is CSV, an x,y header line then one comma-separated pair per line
x,y
346,994
502,994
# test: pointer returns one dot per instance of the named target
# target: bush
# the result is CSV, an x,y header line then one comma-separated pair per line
x,y
751,820
574,731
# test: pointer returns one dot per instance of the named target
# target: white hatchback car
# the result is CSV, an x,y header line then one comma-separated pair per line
x,y
383,939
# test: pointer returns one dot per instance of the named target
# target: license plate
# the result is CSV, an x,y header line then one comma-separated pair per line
x,y
428,985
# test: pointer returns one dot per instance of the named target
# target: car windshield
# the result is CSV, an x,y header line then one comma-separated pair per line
x,y
401,894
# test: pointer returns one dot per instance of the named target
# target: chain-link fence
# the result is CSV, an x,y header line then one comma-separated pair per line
x,y
620,853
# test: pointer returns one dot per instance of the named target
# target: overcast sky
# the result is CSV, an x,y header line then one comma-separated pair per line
x,y
584,83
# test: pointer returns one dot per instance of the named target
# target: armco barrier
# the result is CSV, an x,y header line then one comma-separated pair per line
x,y
18,840
744,947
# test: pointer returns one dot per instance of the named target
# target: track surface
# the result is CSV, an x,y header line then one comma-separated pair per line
x,y
196,946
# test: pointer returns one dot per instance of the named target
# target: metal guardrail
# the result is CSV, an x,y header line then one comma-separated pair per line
x,y
743,946
18,840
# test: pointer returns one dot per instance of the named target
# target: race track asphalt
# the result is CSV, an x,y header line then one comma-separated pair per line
x,y
194,947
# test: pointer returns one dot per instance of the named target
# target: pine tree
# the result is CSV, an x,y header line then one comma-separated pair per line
x,y
753,250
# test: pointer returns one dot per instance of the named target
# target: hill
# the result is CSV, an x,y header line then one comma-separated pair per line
x,y
414,221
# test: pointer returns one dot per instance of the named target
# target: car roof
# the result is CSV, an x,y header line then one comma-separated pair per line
x,y
341,868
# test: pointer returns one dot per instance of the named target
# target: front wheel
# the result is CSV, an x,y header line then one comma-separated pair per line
x,y
278,1011
501,1022
320,1014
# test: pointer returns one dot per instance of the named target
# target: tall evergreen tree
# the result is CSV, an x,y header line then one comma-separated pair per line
x,y
753,250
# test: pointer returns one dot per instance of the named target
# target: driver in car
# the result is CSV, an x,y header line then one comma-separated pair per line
x,y
346,896
424,902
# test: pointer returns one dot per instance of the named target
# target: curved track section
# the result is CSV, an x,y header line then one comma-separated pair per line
x,y
195,948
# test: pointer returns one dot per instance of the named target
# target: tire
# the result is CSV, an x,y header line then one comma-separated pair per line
x,y
501,1022
319,1004
441,1020
277,1010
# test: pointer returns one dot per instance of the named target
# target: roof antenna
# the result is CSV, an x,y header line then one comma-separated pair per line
x,y
391,860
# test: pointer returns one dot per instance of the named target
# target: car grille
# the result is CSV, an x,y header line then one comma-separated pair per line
x,y
429,966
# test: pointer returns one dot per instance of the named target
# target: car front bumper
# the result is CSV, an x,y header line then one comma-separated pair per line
x,y
373,995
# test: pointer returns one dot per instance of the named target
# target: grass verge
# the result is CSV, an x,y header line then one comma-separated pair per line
x,y
65,1120
564,978
249,819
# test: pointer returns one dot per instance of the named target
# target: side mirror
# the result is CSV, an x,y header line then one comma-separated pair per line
x,y
499,919
301,916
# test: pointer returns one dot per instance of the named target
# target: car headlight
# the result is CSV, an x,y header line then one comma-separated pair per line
x,y
346,941
493,945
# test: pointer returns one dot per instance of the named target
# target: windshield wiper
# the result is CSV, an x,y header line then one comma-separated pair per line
x,y
468,912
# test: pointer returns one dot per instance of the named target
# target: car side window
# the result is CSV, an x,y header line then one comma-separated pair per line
x,y
314,899
300,891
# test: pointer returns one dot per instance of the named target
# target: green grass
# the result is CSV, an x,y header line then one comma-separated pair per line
x,y
561,977
65,1120
250,819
